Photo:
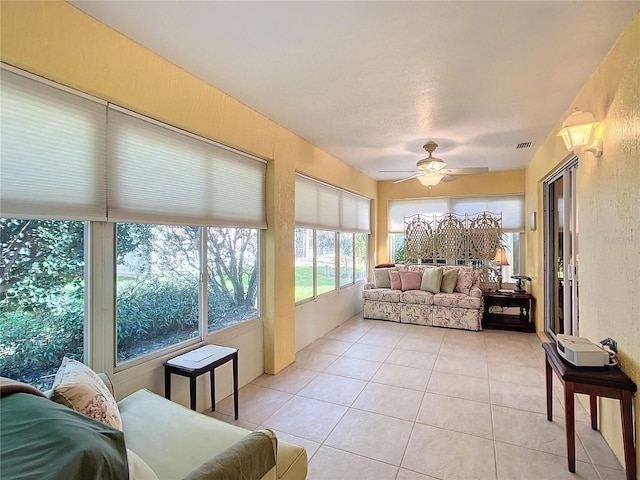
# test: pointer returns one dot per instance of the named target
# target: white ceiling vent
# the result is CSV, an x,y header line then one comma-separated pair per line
x,y
520,146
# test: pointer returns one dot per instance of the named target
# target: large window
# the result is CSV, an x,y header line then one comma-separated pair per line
x,y
158,283
510,206
332,226
187,213
42,297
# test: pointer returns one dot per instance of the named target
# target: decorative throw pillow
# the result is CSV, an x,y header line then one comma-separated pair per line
x,y
78,387
465,281
396,283
431,279
410,280
449,280
381,277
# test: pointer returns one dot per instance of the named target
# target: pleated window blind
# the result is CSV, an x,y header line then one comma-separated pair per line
x,y
159,174
511,207
323,207
52,151
66,156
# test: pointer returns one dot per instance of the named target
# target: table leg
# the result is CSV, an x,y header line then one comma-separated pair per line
x,y
593,407
192,391
549,383
235,385
213,389
570,425
167,384
627,434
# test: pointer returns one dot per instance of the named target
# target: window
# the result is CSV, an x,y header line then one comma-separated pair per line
x,y
42,297
347,259
360,240
325,261
510,206
158,283
304,245
322,213
232,276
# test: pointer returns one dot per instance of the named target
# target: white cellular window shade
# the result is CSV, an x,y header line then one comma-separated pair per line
x,y
52,151
323,207
356,213
510,206
159,174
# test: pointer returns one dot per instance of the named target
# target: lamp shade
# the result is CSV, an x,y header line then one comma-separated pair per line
x,y
430,179
577,129
501,257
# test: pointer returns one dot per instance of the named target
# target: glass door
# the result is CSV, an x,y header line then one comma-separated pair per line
x,y
561,251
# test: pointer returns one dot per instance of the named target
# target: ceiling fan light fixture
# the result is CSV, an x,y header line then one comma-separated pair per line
x,y
431,164
430,180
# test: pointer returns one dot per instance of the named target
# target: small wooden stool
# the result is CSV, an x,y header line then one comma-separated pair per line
x,y
610,382
202,360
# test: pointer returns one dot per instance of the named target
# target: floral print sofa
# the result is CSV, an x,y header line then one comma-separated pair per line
x,y
458,305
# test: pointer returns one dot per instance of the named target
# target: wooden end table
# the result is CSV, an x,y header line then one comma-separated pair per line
x,y
523,322
610,382
202,360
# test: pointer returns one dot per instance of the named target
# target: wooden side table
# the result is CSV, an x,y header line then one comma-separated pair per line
x,y
523,322
610,382
202,360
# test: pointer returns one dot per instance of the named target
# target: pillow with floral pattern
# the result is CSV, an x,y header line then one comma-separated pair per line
x,y
78,387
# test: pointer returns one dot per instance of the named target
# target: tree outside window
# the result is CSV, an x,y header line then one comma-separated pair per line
x,y
42,297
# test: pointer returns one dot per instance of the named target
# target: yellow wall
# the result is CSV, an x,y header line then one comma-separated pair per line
x,y
497,183
59,42
608,215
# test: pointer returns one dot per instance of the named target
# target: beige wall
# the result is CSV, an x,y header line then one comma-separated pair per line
x,y
608,215
59,42
497,183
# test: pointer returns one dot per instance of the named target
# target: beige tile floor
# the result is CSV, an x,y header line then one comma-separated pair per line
x,y
382,400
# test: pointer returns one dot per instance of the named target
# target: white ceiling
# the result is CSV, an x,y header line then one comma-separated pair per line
x,y
371,82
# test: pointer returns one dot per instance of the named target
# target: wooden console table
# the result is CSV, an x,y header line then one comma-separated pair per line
x,y
202,360
610,382
522,300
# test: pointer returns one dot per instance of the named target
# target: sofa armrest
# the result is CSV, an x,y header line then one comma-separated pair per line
x,y
251,457
475,292
369,286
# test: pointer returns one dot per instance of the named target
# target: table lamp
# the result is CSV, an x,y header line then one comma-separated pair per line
x,y
499,262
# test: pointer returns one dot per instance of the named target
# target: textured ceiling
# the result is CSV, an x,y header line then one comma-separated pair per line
x,y
371,82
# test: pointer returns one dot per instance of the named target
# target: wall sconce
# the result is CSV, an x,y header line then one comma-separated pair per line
x,y
576,133
430,179
500,261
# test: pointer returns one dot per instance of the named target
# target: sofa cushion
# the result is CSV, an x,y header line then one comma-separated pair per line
x,y
396,283
431,279
410,280
465,280
449,280
381,295
78,387
458,300
419,297
381,277
138,468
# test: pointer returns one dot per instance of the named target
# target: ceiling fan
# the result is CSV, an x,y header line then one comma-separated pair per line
x,y
430,171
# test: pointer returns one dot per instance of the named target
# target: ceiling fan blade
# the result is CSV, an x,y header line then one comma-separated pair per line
x,y
465,171
399,171
415,175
